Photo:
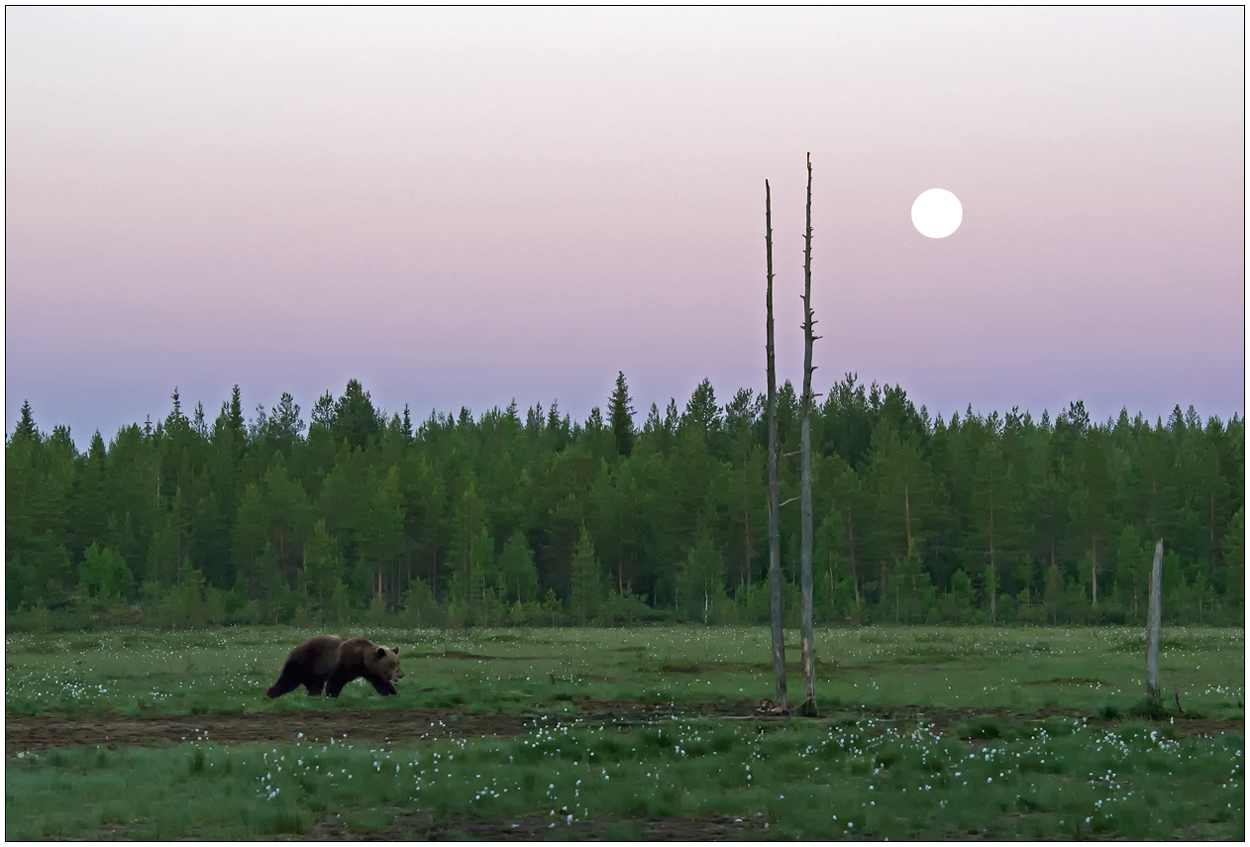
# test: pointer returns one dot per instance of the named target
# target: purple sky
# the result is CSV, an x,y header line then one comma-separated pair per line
x,y
462,207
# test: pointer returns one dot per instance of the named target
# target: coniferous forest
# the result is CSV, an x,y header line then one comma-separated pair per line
x,y
528,517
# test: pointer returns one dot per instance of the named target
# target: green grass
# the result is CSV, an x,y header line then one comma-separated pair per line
x,y
993,768
809,780
225,671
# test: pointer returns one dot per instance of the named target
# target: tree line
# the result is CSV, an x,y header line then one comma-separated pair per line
x,y
530,517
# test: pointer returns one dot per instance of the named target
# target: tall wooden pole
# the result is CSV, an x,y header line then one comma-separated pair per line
x,y
807,649
774,488
1154,623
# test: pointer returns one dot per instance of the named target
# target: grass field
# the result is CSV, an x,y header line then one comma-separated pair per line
x,y
565,733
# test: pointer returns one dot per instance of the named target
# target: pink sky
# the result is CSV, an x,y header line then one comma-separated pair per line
x,y
462,207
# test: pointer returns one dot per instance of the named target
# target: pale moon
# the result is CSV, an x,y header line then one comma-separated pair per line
x,y
937,213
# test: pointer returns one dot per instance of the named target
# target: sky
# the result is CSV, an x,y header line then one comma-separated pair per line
x,y
465,207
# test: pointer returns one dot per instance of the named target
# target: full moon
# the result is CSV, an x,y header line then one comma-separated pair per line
x,y
937,213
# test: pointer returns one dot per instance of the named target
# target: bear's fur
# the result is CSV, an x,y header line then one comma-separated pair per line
x,y
329,663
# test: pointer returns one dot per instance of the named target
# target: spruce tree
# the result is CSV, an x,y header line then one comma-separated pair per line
x,y
26,424
621,410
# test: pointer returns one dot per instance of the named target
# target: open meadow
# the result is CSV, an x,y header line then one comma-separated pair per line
x,y
925,733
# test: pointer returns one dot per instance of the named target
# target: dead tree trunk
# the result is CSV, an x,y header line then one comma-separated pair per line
x,y
850,539
774,489
746,519
807,649
1093,572
1153,625
993,572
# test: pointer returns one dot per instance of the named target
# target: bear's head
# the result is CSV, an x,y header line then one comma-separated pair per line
x,y
384,663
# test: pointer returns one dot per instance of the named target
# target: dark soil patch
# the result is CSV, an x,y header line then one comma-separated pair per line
x,y
407,726
408,825
617,711
947,720
389,726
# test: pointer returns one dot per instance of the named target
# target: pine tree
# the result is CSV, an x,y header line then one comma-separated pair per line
x,y
322,416
516,565
285,426
1234,544
586,588
90,509
322,570
355,420
995,519
702,415
1089,499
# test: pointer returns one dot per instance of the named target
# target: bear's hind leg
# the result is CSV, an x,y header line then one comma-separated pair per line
x,y
335,686
288,681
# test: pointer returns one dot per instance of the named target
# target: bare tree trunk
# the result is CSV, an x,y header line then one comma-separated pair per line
x,y
850,537
1153,625
774,490
1214,548
746,518
807,648
1093,572
993,573
434,573
907,514
1054,610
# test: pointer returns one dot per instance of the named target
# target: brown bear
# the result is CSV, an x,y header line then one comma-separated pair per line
x,y
329,663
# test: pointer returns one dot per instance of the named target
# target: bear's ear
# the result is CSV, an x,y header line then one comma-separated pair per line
x,y
381,652
396,651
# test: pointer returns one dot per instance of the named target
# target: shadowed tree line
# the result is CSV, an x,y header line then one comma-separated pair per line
x,y
527,517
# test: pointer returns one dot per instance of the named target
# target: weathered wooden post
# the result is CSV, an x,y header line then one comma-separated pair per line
x,y
774,487
1154,619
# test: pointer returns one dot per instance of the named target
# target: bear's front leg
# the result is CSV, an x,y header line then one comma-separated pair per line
x,y
383,687
315,687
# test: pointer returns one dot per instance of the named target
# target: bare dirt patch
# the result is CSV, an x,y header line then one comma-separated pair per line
x,y
407,726
407,825
948,720
382,726
389,726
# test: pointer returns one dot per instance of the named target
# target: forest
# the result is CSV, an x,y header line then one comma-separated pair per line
x,y
528,517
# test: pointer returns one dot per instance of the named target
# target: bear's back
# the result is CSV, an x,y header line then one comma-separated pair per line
x,y
319,655
353,651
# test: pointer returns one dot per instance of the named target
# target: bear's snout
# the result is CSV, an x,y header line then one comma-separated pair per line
x,y
399,674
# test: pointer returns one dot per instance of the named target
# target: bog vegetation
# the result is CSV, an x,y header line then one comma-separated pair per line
x,y
929,733
1054,779
1095,670
531,518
